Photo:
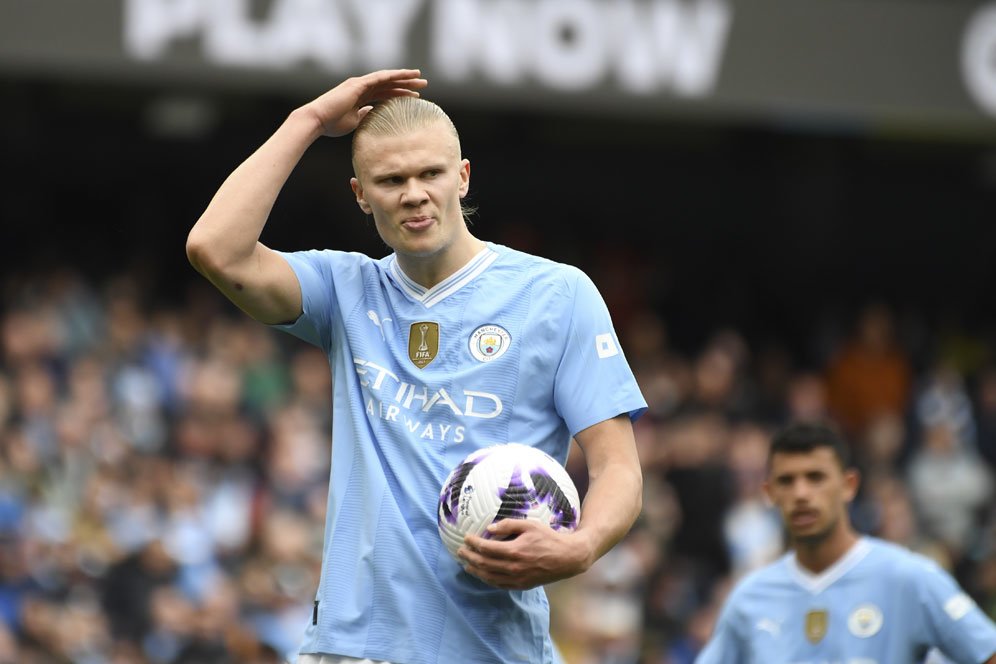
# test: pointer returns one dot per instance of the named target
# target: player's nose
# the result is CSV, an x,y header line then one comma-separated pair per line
x,y
801,492
413,193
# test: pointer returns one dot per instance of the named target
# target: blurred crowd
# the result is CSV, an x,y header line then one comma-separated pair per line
x,y
164,469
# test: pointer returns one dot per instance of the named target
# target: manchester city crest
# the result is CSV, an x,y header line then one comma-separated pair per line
x,y
865,621
489,342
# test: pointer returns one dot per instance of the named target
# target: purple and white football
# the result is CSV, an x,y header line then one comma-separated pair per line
x,y
508,481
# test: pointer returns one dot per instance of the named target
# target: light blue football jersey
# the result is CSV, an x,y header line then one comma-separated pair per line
x,y
510,348
880,604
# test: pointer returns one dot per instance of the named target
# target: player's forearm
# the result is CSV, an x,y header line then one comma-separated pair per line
x,y
228,231
611,506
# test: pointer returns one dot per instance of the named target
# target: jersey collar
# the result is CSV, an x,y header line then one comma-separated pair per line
x,y
817,583
451,284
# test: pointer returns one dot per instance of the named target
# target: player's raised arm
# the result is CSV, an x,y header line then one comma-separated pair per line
x,y
224,244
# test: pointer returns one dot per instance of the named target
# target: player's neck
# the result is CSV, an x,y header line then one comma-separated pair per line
x,y
816,557
428,271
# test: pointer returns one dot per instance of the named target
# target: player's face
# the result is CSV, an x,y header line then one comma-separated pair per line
x,y
412,184
812,492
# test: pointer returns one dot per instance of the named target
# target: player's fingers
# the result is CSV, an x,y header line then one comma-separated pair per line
x,y
382,93
385,75
490,548
395,89
379,86
493,556
507,528
363,111
405,84
505,581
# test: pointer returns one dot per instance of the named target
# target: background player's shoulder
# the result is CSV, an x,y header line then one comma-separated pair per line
x,y
760,581
898,561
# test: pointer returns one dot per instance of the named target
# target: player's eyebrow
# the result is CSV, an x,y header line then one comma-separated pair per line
x,y
388,173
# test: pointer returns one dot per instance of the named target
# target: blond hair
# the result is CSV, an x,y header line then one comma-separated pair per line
x,y
401,115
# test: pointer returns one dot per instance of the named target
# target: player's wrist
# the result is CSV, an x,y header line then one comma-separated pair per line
x,y
584,546
307,120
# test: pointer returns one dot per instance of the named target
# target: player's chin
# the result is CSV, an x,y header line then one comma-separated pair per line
x,y
418,247
809,535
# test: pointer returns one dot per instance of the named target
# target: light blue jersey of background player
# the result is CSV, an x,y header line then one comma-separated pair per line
x,y
879,604
839,598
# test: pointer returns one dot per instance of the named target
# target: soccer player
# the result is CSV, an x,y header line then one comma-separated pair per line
x,y
446,345
838,597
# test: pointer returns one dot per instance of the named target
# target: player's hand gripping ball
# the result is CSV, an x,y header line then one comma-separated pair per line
x,y
508,481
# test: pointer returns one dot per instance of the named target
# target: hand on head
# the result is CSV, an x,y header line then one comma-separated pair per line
x,y
339,110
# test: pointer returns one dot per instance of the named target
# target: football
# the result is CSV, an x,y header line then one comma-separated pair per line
x,y
507,481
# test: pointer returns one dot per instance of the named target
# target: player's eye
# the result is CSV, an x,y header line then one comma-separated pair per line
x,y
432,173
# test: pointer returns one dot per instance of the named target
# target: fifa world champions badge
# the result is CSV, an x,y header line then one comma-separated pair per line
x,y
423,343
817,621
489,342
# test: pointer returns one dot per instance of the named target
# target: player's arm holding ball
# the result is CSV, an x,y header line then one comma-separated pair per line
x,y
224,244
526,553
597,396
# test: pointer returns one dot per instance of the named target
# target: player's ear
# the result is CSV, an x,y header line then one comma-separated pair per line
x,y
464,177
358,192
768,498
852,481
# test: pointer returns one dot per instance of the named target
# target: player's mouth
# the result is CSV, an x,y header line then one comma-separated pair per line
x,y
417,223
803,518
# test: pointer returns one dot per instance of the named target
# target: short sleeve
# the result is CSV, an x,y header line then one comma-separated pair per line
x,y
594,381
953,621
318,301
724,646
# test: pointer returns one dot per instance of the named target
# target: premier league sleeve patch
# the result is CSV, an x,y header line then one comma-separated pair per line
x,y
489,342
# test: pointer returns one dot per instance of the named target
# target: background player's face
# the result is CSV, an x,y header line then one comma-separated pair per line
x,y
412,184
812,492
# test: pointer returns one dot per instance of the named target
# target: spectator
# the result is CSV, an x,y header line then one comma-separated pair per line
x,y
870,375
949,486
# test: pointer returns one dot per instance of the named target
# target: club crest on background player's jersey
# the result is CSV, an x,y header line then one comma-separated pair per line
x,y
423,343
865,621
816,625
489,342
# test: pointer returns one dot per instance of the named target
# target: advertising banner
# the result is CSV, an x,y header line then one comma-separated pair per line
x,y
894,62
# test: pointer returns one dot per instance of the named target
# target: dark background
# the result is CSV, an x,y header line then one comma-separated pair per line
x,y
771,228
